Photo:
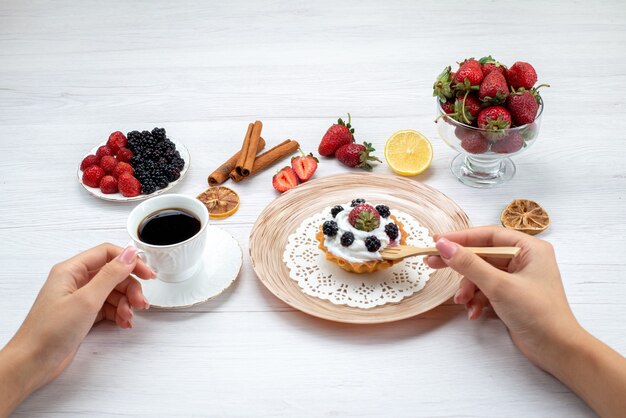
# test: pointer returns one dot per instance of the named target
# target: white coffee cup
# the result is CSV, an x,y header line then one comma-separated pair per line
x,y
176,262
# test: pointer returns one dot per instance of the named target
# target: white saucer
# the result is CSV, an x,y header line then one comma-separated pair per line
x,y
221,264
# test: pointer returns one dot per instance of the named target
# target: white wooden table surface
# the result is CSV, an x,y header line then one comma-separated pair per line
x,y
71,72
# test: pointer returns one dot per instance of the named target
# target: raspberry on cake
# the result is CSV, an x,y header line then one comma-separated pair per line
x,y
353,234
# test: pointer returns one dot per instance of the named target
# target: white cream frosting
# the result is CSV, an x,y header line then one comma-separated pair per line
x,y
356,252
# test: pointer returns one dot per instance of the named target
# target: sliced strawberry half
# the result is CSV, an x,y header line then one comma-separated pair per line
x,y
285,179
304,166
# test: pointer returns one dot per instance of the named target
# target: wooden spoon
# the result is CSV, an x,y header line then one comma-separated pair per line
x,y
403,251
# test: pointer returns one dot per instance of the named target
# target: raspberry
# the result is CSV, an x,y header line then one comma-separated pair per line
x,y
108,163
124,154
122,168
89,161
128,185
92,176
383,210
334,211
116,141
330,228
104,150
108,185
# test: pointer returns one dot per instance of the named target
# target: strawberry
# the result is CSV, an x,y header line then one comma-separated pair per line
x,y
124,154
494,118
116,141
92,176
128,185
523,107
89,161
108,163
443,86
364,217
511,143
108,185
521,75
357,155
447,107
122,168
466,108
104,150
285,179
493,89
489,64
468,76
474,143
304,166
336,136
524,104
462,132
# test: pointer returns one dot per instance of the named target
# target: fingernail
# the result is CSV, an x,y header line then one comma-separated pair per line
x,y
146,304
470,312
446,248
128,255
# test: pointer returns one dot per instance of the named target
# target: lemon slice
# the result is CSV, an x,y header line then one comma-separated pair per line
x,y
220,201
525,216
408,152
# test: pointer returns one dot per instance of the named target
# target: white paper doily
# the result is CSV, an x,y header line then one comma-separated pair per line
x,y
323,279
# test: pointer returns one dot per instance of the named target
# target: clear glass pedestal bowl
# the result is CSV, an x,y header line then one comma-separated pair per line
x,y
484,158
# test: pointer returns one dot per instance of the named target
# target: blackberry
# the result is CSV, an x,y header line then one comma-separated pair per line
x,y
133,135
172,174
392,231
148,186
347,239
357,202
334,211
179,163
161,182
159,133
330,228
136,160
372,243
383,210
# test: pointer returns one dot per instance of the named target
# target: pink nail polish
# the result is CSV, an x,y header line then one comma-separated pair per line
x,y
129,255
446,248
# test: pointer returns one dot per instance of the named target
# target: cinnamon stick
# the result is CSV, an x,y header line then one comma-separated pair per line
x,y
268,158
249,149
221,174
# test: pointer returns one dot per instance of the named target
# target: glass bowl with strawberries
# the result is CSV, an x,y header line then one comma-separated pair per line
x,y
488,113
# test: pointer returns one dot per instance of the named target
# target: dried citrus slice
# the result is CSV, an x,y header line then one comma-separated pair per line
x,y
525,216
408,152
220,201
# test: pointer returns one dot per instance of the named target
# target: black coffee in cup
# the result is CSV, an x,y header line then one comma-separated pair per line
x,y
168,226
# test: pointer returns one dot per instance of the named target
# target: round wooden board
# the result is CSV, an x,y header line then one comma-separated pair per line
x,y
281,218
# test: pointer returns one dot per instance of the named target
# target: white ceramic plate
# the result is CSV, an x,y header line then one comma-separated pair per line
x,y
221,264
117,197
